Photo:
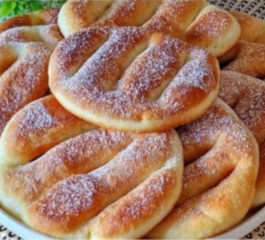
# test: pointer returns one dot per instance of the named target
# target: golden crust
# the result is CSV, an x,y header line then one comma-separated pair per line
x,y
49,34
246,95
197,22
249,60
23,63
71,191
213,29
42,17
222,156
252,29
36,128
27,63
105,76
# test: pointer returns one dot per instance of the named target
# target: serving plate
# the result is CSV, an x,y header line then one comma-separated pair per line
x,y
243,229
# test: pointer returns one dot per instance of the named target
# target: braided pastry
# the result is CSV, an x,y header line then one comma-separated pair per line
x,y
219,179
197,22
71,191
246,95
42,17
130,79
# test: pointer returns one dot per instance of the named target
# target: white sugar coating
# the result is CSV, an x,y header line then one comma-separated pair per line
x,y
250,60
74,195
103,85
71,157
25,80
49,34
218,124
69,196
246,95
36,117
217,22
148,198
197,72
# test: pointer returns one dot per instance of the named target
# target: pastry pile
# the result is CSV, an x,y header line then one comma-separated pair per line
x,y
116,120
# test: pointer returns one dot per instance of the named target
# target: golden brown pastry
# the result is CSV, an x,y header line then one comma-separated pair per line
x,y
24,57
246,95
49,34
130,79
42,17
221,157
249,60
197,22
101,184
38,127
24,77
252,29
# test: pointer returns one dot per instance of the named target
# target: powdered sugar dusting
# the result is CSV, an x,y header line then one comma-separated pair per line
x,y
46,34
218,126
50,188
30,74
211,23
37,118
99,87
250,60
246,95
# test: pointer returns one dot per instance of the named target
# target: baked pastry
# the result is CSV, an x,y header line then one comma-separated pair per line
x,y
71,191
27,63
246,95
221,157
249,60
197,22
37,128
25,60
252,29
42,17
130,79
49,34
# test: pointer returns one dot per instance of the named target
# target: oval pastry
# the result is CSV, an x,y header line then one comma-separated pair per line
x,y
24,56
249,59
197,22
246,95
23,76
221,157
101,184
130,79
42,17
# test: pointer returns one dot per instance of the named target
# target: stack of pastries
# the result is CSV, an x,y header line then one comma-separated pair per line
x,y
117,122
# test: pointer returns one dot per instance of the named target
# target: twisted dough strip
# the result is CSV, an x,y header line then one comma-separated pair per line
x,y
197,22
23,76
219,179
37,128
249,60
42,17
246,95
252,29
88,185
252,36
130,79
48,34
24,65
